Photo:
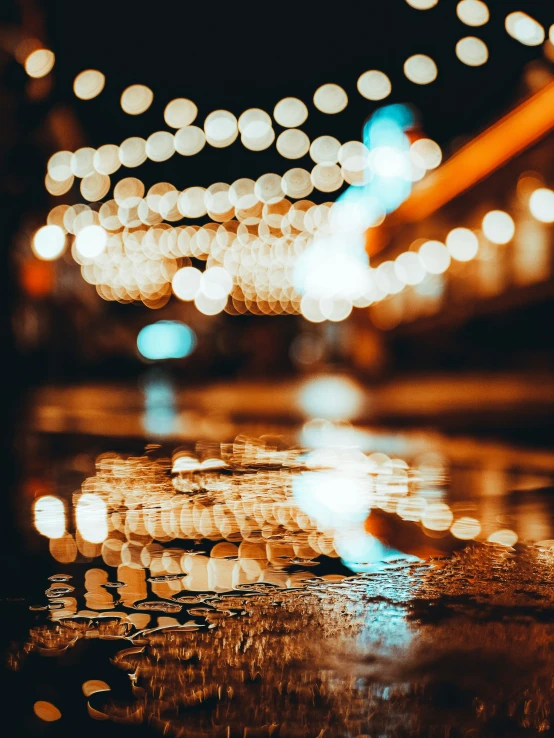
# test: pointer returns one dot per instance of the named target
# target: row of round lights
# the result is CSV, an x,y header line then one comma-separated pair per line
x,y
461,244
220,129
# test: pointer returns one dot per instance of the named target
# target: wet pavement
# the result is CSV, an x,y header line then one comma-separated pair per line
x,y
265,587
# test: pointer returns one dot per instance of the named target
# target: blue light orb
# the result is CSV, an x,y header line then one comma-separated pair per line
x,y
166,339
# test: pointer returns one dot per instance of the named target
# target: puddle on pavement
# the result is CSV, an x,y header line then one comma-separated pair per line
x,y
253,589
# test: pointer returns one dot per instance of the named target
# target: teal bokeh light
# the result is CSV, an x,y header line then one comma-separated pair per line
x,y
166,339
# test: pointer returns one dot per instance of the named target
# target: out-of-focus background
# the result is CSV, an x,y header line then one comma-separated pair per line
x,y
441,320
278,286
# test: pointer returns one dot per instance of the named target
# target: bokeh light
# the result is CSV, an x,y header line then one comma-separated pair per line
x,y
186,283
290,112
330,99
422,4
136,99
437,516
473,12
91,241
221,128
466,529
293,143
420,69
39,63
409,268
524,29
374,85
498,227
91,517
88,84
331,397
180,112
189,140
166,339
49,242
462,244
426,153
49,516
541,205
504,537
472,51
435,257
46,711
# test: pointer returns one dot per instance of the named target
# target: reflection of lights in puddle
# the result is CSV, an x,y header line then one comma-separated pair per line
x,y
50,516
331,398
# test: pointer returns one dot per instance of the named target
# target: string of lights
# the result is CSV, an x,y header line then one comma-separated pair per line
x,y
257,215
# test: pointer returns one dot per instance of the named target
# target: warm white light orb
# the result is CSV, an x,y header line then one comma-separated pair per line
x,y
472,51
49,242
221,128
91,241
498,227
91,517
186,283
420,69
541,205
180,112
374,85
88,84
435,257
462,244
290,112
49,513
293,143
473,12
426,153
39,63
136,99
330,99
524,29
422,4
409,269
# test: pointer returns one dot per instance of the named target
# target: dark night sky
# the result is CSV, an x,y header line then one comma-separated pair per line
x,y
242,55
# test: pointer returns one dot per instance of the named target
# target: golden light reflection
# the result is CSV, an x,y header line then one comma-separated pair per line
x,y
49,514
503,537
466,529
437,516
91,517
91,241
46,711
